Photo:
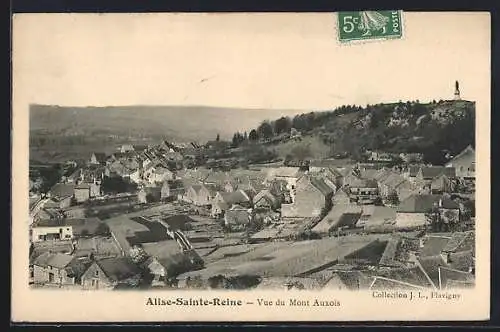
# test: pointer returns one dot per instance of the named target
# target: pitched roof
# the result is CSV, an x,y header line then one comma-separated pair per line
x,y
267,195
100,156
424,203
468,153
348,219
62,190
430,172
237,216
85,186
56,222
57,260
285,172
364,183
234,197
118,268
321,185
181,262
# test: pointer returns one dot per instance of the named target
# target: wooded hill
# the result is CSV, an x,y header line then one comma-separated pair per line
x,y
434,129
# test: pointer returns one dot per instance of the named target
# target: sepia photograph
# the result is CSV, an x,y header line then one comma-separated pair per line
x,y
291,153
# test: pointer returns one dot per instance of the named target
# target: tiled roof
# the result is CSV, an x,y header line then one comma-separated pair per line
x,y
57,260
321,186
99,156
424,203
62,190
234,197
431,172
118,268
364,183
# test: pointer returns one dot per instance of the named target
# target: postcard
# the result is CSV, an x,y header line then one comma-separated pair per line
x,y
258,167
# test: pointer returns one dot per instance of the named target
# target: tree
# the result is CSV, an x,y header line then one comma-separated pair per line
x,y
138,255
282,125
217,139
253,136
265,130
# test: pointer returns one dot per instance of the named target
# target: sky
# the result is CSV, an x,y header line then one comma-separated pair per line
x,y
268,60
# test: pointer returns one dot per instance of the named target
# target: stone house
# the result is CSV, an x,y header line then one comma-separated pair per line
x,y
200,194
52,268
313,197
412,212
464,163
172,189
107,273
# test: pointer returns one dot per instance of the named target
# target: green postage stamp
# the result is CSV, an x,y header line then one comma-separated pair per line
x,y
365,25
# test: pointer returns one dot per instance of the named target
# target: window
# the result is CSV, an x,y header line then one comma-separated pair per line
x,y
67,236
96,273
40,237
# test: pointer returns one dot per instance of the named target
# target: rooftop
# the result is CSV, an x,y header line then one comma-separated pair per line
x,y
57,260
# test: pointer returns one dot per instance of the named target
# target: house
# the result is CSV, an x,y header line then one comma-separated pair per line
x,y
364,191
395,184
98,158
266,200
225,200
52,268
429,173
108,273
82,192
62,194
87,227
159,175
49,211
464,163
126,148
238,217
313,197
200,194
412,211
50,229
218,209
441,184
172,189
236,197
149,194
170,266
410,172
288,174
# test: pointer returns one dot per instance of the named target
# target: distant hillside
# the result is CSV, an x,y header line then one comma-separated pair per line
x,y
434,129
171,122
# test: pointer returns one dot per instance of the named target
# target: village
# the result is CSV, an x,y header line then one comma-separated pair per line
x,y
151,216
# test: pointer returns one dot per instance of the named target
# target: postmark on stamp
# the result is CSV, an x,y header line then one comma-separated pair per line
x,y
366,25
